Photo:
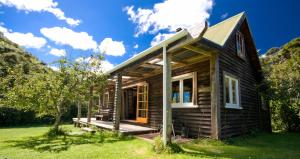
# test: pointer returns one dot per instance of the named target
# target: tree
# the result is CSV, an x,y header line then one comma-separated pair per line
x,y
92,79
44,92
47,91
281,67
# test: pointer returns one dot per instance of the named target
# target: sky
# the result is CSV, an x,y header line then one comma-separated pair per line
x,y
52,29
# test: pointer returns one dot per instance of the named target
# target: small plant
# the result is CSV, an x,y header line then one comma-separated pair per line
x,y
171,148
158,146
56,132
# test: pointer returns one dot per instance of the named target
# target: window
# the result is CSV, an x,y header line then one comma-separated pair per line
x,y
106,100
231,92
240,45
183,90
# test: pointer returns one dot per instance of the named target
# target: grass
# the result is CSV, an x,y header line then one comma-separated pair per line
x,y
29,142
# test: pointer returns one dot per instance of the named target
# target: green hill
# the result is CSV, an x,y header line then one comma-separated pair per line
x,y
277,55
11,54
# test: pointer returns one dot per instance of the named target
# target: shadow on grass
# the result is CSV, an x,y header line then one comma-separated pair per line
x,y
62,143
276,145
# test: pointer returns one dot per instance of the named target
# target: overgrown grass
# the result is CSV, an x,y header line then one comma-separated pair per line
x,y
30,142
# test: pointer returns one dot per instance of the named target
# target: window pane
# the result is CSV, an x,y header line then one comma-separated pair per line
x,y
142,105
175,92
187,90
227,90
141,89
142,114
233,91
142,96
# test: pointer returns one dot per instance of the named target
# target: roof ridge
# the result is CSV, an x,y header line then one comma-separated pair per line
x,y
241,13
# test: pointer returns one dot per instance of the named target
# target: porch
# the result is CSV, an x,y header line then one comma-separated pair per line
x,y
173,77
125,127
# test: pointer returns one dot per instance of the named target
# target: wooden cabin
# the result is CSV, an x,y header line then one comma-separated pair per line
x,y
204,84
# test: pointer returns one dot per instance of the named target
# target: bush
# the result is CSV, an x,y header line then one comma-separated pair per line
x,y
56,132
171,148
14,117
285,116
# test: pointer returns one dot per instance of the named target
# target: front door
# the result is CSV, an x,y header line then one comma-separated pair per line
x,y
142,103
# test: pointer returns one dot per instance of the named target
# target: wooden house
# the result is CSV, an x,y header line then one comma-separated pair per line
x,y
203,84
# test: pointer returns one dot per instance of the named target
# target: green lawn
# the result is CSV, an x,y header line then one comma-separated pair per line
x,y
28,142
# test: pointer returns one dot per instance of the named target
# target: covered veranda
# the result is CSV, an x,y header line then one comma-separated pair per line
x,y
181,50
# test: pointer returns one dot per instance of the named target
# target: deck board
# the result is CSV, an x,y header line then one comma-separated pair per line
x,y
124,127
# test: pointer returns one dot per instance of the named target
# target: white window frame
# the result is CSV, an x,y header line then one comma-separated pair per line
x,y
241,52
180,78
105,105
237,94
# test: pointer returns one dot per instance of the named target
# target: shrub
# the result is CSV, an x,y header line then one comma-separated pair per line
x,y
171,148
56,132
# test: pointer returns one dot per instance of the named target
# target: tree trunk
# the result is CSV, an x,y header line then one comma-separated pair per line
x,y
58,117
90,104
78,112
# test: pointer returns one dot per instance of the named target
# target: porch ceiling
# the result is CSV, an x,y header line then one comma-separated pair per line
x,y
181,57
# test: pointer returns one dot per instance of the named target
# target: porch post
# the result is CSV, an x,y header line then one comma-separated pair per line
x,y
215,97
167,89
117,103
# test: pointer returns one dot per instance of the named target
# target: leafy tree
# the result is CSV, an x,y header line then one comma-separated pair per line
x,y
92,79
45,92
282,71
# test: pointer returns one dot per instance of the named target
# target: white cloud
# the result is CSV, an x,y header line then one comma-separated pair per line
x,y
79,60
65,36
113,48
170,15
105,65
225,15
136,46
54,68
58,52
40,6
27,40
160,37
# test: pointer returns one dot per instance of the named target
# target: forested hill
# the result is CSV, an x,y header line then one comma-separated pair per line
x,y
277,55
11,54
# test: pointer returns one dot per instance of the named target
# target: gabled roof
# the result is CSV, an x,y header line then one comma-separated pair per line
x,y
217,34
220,32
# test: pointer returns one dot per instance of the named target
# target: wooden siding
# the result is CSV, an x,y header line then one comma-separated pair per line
x,y
239,121
197,120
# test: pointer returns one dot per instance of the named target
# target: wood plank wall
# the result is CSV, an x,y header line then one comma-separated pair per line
x,y
239,121
197,120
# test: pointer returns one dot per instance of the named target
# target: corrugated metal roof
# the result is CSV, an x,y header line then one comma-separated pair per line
x,y
220,32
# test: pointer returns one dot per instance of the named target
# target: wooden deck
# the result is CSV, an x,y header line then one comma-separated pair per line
x,y
125,128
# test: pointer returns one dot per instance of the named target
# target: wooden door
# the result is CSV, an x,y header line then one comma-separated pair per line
x,y
142,103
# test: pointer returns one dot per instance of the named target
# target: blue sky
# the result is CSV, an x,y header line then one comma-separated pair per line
x,y
50,29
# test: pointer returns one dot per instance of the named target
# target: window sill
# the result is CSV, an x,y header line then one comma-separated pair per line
x,y
191,106
231,107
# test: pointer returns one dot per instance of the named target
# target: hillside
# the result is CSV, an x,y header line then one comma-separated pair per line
x,y
11,55
277,55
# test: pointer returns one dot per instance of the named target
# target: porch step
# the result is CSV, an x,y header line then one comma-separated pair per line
x,y
133,122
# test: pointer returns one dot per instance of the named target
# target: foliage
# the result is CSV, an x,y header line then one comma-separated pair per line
x,y
159,147
52,132
91,78
27,84
281,67
13,117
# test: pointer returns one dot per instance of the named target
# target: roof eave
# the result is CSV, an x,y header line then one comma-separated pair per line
x,y
148,51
